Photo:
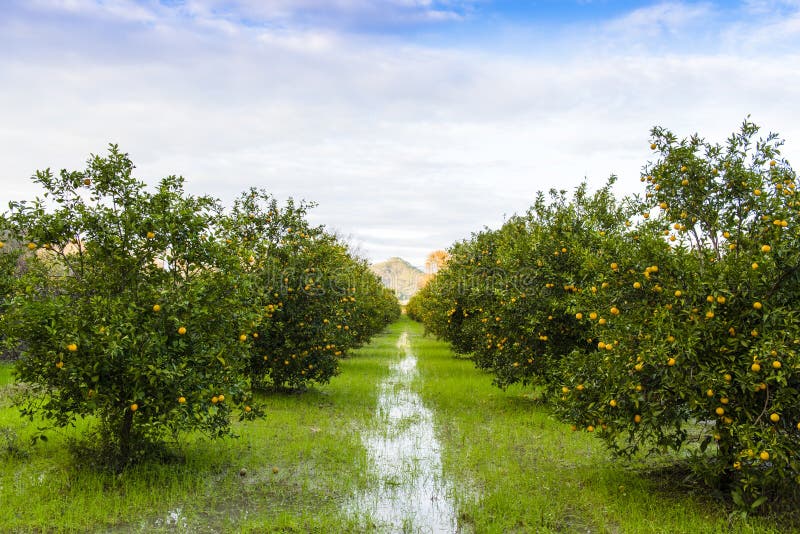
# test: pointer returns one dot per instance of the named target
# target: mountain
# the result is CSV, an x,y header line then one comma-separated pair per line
x,y
399,275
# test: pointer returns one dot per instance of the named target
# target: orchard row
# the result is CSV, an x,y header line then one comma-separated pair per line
x,y
666,321
160,312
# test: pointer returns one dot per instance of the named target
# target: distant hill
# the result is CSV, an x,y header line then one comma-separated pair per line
x,y
399,275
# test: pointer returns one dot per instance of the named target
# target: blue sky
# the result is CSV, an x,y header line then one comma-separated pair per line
x,y
410,122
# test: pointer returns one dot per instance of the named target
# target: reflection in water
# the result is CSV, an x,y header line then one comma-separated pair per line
x,y
412,494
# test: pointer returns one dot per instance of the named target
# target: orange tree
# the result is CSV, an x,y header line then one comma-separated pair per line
x,y
507,297
130,310
315,300
705,346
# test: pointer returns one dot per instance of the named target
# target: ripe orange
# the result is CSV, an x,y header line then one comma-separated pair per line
x,y
764,455
765,248
709,393
774,417
776,364
678,293
757,305
637,418
182,330
156,308
683,168
31,246
214,399
134,407
247,409
221,398
637,285
72,347
614,266
671,362
754,266
60,365
150,235
243,337
564,389
720,410
652,146
579,316
614,310
755,367
87,182
181,400
612,403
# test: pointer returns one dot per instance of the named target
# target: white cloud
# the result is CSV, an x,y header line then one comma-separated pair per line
x,y
405,147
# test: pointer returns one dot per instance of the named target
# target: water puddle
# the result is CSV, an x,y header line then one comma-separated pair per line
x,y
412,494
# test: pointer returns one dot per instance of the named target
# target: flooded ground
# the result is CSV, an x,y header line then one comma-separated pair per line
x,y
412,494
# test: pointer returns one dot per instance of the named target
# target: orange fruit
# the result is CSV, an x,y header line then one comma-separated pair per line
x,y
612,403
181,400
72,347
652,146
31,246
671,362
776,364
774,417
87,181
182,330
579,316
757,305
637,418
755,367
678,293
764,455
243,337
156,308
134,407
765,248
720,410
247,409
214,399
150,235
221,398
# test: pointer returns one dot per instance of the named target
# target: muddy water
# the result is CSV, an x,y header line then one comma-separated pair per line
x,y
411,494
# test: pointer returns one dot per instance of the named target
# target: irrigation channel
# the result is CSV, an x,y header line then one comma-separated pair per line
x,y
412,494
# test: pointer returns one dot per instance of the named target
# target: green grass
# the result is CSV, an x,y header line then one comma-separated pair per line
x,y
512,467
532,474
313,439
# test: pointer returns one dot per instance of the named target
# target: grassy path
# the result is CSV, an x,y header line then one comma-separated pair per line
x,y
501,462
